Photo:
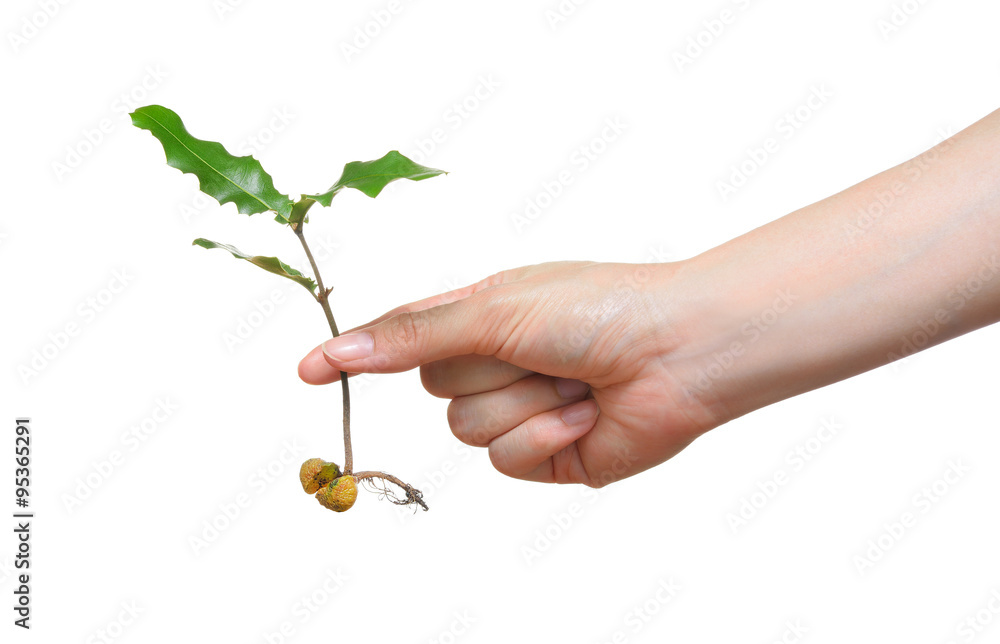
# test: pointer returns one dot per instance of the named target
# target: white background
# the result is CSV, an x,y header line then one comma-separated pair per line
x,y
502,554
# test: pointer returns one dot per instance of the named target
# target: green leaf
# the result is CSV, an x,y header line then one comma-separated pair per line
x,y
270,264
240,180
299,211
370,177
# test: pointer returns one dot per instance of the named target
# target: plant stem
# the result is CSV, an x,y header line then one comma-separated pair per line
x,y
324,300
413,495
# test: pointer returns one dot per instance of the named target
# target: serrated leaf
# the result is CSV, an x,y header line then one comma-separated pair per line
x,y
270,264
227,178
370,177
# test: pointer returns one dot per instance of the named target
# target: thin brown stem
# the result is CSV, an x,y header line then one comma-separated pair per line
x,y
324,300
413,495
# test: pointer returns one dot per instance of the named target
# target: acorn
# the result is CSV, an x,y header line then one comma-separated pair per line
x,y
316,473
339,495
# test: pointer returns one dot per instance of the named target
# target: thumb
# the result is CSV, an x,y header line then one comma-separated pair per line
x,y
413,338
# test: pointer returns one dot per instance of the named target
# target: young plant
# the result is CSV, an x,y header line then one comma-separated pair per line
x,y
242,181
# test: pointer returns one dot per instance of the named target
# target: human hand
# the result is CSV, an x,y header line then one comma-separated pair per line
x,y
588,373
562,370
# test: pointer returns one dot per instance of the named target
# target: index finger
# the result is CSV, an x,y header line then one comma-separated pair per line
x,y
316,370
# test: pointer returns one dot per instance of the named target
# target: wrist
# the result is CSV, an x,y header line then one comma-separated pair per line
x,y
739,327
869,275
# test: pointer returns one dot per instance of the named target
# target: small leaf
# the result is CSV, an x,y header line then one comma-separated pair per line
x,y
370,177
240,180
299,212
270,264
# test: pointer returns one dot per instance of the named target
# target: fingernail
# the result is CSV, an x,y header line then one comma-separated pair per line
x,y
568,388
579,413
346,348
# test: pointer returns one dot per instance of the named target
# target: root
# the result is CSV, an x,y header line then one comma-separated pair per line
x,y
376,482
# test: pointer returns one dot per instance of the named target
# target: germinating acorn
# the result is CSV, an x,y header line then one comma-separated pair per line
x,y
339,495
315,473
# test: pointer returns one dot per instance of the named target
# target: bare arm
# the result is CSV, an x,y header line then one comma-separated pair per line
x,y
580,372
904,260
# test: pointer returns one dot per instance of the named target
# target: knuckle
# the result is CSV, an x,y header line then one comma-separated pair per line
x,y
404,331
500,459
509,372
495,280
431,378
467,424
456,419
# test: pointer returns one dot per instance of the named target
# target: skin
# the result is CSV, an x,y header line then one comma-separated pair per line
x,y
582,372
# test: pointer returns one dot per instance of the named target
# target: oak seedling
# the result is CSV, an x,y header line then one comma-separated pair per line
x,y
243,181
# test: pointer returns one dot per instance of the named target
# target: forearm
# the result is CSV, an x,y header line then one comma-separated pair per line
x,y
902,261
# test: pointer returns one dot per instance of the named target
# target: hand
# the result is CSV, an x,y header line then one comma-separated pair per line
x,y
588,373
561,370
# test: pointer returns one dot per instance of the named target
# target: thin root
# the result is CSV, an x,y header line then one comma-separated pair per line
x,y
377,482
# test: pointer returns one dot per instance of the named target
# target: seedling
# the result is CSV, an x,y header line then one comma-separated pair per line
x,y
242,181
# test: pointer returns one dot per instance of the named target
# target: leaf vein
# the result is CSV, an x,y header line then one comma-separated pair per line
x,y
209,165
